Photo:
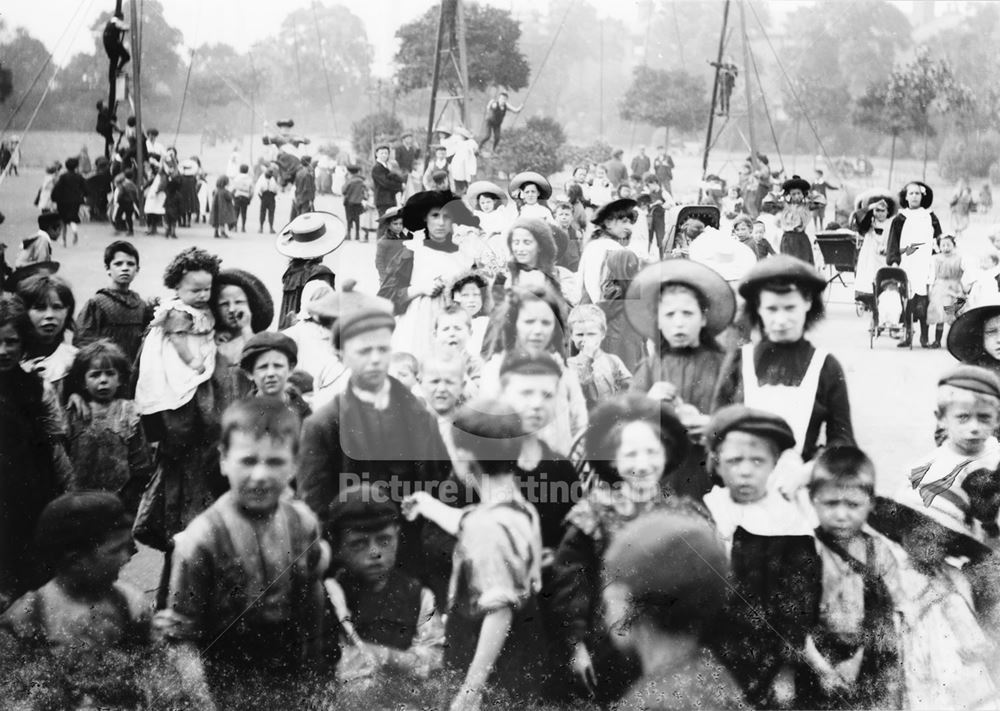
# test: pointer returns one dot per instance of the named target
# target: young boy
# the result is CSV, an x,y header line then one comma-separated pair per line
x,y
852,653
245,603
452,333
405,368
443,383
116,312
354,200
664,577
38,247
388,620
602,375
968,408
269,359
776,570
493,631
564,219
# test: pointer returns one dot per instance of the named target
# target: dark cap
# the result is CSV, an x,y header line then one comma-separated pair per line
x,y
489,429
265,341
782,267
740,418
972,378
79,520
362,507
360,313
673,565
523,363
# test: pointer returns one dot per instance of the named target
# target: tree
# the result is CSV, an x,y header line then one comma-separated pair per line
x,y
535,146
6,83
372,129
24,56
493,57
668,98
874,110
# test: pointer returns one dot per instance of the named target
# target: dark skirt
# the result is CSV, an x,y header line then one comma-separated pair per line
x,y
797,244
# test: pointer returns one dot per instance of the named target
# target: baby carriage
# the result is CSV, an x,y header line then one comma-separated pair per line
x,y
889,282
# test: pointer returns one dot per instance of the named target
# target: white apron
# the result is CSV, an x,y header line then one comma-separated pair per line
x,y
793,403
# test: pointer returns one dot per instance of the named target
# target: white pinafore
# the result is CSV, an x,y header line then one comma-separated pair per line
x,y
793,403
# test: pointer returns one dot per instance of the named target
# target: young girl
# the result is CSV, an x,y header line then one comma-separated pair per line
x,y
50,305
533,258
631,443
531,190
223,212
619,270
174,389
33,463
947,288
391,238
471,291
154,206
489,204
108,448
681,306
974,338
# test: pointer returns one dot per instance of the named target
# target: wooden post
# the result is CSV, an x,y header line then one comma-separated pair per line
x,y
715,92
746,77
435,80
140,138
463,64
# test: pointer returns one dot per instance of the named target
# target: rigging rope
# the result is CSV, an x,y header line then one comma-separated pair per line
x,y
326,73
767,112
184,96
538,73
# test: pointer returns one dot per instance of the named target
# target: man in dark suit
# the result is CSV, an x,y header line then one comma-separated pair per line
x,y
387,183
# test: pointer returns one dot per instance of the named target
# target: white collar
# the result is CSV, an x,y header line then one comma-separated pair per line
x,y
379,400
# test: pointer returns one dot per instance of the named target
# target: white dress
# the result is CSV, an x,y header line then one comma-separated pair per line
x,y
165,381
871,257
919,266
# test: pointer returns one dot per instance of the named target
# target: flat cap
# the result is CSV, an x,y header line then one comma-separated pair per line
x,y
265,341
740,418
972,378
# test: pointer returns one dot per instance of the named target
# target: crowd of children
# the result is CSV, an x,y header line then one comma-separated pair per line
x,y
542,467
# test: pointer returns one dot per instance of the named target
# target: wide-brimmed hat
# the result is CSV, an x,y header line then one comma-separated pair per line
x,y
796,183
391,214
30,270
258,297
416,208
485,187
463,132
613,207
643,297
782,267
965,337
928,195
188,167
530,176
725,254
311,235
285,123
869,197
894,517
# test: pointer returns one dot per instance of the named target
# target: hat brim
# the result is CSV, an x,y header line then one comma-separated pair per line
x,y
708,215
485,187
894,518
619,205
393,213
416,208
866,198
30,270
796,184
643,298
258,297
965,337
782,267
336,232
530,176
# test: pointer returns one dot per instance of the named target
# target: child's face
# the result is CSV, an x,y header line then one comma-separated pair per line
x,y
487,203
783,315
11,348
369,555
233,305
744,463
122,269
195,289
913,196
270,373
453,330
640,458
734,193
404,373
535,326
101,382
367,357
947,246
991,337
741,230
533,397
396,226
442,384
258,470
530,193
587,336
98,568
580,175
680,319
758,231
564,216
968,423
382,155
841,511
470,298
524,247
48,316
625,191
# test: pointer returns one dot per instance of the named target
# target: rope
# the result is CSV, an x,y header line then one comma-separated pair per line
x,y
538,73
184,96
767,112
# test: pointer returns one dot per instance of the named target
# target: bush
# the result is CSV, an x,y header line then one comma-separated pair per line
x,y
968,157
382,126
535,146
596,152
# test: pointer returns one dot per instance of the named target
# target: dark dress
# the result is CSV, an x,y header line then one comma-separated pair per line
x,y
698,682
69,193
119,316
796,244
786,364
296,276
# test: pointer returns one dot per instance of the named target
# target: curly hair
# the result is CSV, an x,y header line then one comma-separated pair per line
x,y
516,299
99,353
481,282
191,259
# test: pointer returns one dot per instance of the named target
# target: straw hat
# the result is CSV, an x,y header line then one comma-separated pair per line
x,y
530,176
485,187
419,204
965,337
311,235
724,253
644,295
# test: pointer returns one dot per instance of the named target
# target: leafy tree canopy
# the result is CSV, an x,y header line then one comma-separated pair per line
x,y
670,98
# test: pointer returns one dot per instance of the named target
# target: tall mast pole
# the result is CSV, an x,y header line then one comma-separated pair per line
x,y
140,139
715,91
435,80
746,78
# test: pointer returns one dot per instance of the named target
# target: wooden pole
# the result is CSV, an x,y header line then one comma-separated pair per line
x,y
746,77
435,80
463,65
140,138
715,92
